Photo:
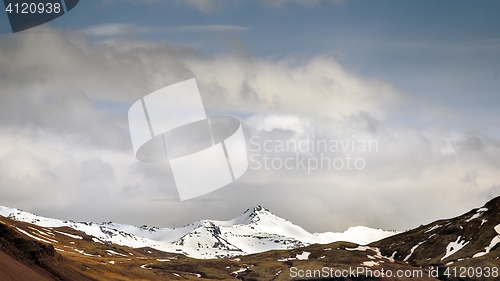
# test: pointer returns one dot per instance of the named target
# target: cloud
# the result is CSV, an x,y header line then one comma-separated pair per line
x,y
205,6
65,148
306,3
208,28
117,29
214,6
113,29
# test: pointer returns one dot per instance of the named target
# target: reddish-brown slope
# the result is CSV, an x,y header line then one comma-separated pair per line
x,y
13,270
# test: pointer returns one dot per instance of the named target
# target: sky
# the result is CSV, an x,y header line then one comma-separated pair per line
x,y
421,79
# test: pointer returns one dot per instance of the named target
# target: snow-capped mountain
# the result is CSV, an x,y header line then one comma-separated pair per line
x,y
256,230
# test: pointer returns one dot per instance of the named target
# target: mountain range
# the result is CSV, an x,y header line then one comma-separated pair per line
x,y
257,245
256,230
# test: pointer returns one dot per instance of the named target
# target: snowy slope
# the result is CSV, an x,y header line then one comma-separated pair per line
x,y
467,240
361,235
256,230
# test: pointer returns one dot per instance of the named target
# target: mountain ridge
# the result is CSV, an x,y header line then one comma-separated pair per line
x,y
256,230
473,237
471,240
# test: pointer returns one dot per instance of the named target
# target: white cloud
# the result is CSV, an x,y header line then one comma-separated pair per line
x,y
118,29
212,6
111,29
307,3
208,28
65,147
206,6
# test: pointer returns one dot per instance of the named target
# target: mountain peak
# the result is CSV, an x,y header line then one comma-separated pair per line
x,y
253,215
255,231
257,209
255,212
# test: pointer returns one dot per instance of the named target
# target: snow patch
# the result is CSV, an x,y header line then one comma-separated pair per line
x,y
69,235
243,269
413,250
370,263
493,243
454,247
432,228
97,240
286,259
303,256
378,254
85,254
41,232
36,238
477,214
110,252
